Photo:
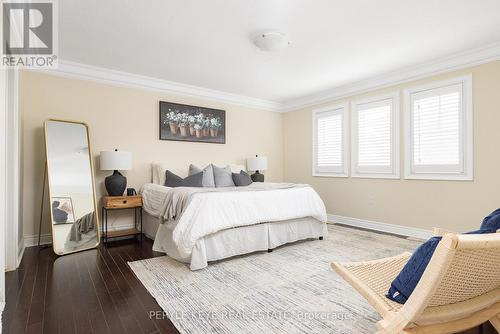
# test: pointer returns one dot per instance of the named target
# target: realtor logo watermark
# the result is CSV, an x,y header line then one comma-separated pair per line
x,y
29,34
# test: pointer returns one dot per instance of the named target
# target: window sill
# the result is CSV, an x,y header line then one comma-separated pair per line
x,y
376,176
440,177
344,175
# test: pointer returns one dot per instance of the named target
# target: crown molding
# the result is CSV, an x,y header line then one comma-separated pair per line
x,y
451,63
124,79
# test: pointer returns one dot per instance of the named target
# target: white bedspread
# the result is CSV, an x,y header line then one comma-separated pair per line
x,y
210,212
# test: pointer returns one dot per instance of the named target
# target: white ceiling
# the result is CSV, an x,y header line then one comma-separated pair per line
x,y
208,43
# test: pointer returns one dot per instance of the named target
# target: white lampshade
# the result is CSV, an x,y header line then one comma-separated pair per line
x,y
257,163
115,160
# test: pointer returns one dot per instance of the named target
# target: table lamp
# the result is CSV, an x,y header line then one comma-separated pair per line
x,y
257,164
115,161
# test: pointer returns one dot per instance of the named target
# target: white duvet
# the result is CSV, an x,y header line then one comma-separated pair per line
x,y
210,212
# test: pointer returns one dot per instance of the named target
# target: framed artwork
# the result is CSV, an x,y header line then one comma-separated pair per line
x,y
181,122
62,210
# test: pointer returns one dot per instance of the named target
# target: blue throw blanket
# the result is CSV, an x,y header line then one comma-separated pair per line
x,y
404,284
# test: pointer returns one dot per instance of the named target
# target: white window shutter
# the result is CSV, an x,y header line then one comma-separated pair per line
x,y
436,128
329,141
439,120
375,137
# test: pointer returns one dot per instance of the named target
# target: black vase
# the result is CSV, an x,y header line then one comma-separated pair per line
x,y
115,184
257,177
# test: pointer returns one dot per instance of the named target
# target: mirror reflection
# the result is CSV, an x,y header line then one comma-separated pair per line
x,y
71,187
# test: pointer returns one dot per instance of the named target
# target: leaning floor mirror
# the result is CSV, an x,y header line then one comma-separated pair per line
x,y
73,207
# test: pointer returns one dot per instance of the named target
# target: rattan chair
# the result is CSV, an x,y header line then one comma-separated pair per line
x,y
459,289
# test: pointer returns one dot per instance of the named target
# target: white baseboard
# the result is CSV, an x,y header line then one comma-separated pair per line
x,y
32,240
19,257
406,231
2,306
20,252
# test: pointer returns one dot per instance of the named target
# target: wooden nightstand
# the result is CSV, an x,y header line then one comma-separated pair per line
x,y
121,203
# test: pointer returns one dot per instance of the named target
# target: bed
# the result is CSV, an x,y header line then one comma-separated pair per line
x,y
218,223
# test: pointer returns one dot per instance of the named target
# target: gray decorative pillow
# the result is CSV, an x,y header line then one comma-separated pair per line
x,y
172,180
223,176
242,179
208,174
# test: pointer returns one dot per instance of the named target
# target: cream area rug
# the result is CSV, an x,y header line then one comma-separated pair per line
x,y
291,290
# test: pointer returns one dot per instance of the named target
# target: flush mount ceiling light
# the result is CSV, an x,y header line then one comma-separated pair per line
x,y
271,41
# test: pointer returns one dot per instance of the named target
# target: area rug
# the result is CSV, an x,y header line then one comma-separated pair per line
x,y
291,290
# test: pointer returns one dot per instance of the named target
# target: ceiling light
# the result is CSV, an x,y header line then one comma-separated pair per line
x,y
271,41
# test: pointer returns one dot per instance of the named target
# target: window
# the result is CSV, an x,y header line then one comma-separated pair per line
x,y
329,141
439,131
375,137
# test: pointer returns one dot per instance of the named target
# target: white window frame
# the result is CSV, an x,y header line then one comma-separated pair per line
x,y
393,172
465,172
343,170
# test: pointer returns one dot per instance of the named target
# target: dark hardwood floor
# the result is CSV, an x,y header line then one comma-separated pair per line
x,y
89,292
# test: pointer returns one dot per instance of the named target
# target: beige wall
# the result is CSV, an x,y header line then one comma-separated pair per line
x,y
127,119
458,205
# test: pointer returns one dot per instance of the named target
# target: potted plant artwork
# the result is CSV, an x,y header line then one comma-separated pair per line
x,y
215,124
198,128
206,127
192,122
165,119
200,121
182,122
172,121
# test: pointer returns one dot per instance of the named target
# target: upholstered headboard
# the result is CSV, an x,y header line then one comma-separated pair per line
x,y
158,170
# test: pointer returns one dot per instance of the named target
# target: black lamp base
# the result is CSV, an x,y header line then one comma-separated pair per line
x,y
257,177
115,184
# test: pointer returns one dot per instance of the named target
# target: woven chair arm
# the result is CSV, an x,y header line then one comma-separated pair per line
x,y
439,232
404,255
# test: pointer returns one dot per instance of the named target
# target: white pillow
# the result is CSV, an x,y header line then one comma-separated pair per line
x,y
158,173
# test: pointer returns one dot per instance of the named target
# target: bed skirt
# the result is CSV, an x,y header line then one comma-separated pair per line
x,y
235,241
